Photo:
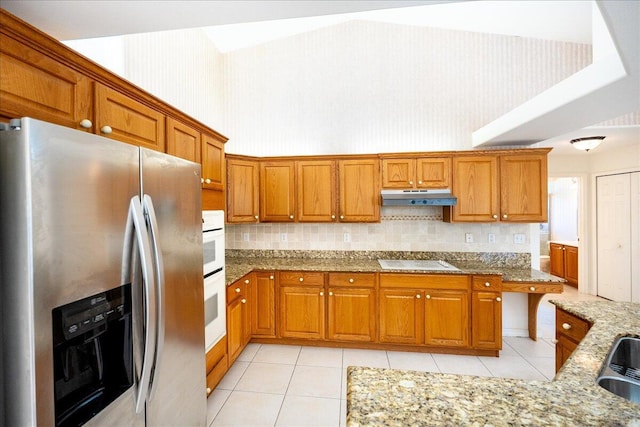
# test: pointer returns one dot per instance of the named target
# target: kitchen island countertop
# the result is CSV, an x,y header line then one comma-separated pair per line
x,y
393,397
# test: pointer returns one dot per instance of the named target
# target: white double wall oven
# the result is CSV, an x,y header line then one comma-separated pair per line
x,y
214,277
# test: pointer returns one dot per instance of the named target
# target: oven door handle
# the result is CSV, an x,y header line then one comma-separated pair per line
x,y
150,216
137,245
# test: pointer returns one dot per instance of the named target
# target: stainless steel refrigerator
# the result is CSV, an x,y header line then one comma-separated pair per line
x,y
101,282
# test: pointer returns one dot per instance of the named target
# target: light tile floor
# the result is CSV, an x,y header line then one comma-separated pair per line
x,y
282,385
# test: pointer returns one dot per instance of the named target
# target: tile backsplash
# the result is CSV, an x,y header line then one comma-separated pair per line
x,y
400,229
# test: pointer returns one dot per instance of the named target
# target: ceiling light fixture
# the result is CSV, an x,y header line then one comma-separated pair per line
x,y
587,143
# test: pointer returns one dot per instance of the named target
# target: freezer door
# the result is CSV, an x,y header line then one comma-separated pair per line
x,y
65,198
178,390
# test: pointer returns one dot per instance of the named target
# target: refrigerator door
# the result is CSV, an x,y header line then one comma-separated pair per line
x,y
65,198
178,388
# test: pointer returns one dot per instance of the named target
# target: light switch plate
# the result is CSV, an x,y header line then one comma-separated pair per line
x,y
518,238
468,238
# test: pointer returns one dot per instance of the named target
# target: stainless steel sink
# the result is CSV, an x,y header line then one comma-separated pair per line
x,y
620,373
422,265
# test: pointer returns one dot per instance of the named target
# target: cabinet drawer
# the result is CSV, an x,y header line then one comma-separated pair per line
x,y
571,326
216,353
362,280
237,289
424,281
487,283
300,278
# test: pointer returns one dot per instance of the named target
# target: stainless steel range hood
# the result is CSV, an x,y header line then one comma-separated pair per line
x,y
440,197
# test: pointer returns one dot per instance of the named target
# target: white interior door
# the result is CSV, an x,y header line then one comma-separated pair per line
x,y
635,236
614,236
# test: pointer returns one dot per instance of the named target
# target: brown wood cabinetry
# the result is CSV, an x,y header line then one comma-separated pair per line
x,y
263,304
424,309
570,330
38,86
213,164
421,172
563,262
277,191
302,305
316,192
242,190
238,317
359,190
183,141
217,363
506,187
486,312
351,307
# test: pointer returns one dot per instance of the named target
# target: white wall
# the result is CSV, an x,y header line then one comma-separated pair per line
x,y
366,87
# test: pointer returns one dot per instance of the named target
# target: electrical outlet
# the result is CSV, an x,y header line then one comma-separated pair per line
x,y
283,237
492,238
468,238
346,237
245,237
518,238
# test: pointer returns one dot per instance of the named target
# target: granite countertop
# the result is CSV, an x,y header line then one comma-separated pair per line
x,y
399,398
238,265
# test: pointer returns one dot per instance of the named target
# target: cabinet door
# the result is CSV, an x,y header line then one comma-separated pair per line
x,y
486,320
446,318
213,165
433,172
401,316
398,173
475,184
263,305
571,265
523,188
351,314
359,190
235,328
564,348
34,85
122,118
301,312
277,191
183,141
242,191
316,196
556,259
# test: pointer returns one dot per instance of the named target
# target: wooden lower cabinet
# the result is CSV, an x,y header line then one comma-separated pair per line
x,y
238,317
486,320
401,316
301,312
263,305
217,364
446,318
351,307
563,262
570,330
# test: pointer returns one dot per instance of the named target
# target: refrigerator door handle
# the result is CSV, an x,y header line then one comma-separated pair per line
x,y
150,215
136,232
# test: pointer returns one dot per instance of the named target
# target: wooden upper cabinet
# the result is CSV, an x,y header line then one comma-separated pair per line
x,y
35,85
421,172
433,172
316,191
242,190
523,188
124,119
359,190
183,141
277,191
475,184
213,164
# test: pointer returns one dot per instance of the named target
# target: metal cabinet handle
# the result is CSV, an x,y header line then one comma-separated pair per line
x,y
411,182
208,390
498,299
207,181
566,326
106,129
271,277
351,280
255,217
532,288
341,216
321,293
495,216
201,180
243,300
237,290
85,123
418,296
301,279
554,341
487,284
504,216
290,216
427,296
333,217
246,281
420,182
330,294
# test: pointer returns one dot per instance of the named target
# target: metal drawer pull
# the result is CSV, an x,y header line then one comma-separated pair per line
x,y
351,280
566,326
237,290
532,288
498,299
487,284
246,281
418,296
301,279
